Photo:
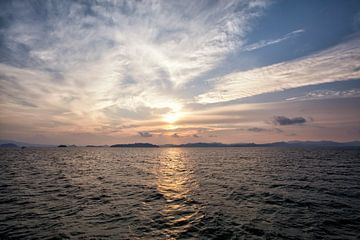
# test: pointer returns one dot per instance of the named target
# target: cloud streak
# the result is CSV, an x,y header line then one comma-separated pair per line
x,y
326,94
265,43
337,63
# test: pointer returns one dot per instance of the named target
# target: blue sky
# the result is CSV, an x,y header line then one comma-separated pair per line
x,y
95,72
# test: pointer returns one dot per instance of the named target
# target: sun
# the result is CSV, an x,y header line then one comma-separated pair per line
x,y
171,117
174,114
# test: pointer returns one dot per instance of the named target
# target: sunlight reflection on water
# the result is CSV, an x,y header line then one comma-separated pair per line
x,y
176,183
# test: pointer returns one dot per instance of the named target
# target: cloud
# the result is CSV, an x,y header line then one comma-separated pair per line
x,y
265,43
334,64
111,62
175,135
260,130
145,134
327,94
256,129
283,121
116,68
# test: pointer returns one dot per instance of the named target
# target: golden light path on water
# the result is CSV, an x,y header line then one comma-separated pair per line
x,y
176,182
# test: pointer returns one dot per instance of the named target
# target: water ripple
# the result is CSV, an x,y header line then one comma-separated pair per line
x,y
216,193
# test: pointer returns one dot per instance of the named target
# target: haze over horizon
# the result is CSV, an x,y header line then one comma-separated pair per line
x,y
89,72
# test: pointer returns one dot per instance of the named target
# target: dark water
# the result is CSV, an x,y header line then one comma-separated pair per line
x,y
169,193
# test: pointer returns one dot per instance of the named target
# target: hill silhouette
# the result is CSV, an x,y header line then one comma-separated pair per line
x,y
136,145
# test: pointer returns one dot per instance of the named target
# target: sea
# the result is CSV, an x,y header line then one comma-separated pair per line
x,y
179,193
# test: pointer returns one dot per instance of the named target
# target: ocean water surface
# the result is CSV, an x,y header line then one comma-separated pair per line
x,y
179,193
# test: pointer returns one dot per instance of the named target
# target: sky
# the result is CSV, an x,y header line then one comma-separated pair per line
x,y
105,72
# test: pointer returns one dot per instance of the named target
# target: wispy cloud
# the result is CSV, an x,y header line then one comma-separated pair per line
x,y
106,62
145,134
257,129
265,43
261,130
326,94
337,63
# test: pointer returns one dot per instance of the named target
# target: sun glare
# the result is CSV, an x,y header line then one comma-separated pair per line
x,y
171,117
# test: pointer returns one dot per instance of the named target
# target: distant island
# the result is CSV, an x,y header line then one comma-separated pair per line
x,y
299,144
4,142
274,144
63,145
214,144
8,145
136,145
